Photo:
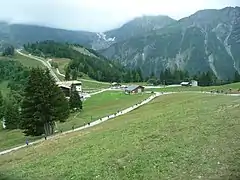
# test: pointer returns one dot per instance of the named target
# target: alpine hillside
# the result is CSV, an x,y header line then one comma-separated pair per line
x,y
82,61
206,40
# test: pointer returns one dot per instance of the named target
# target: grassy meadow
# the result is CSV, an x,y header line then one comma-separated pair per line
x,y
234,88
93,85
179,136
28,62
101,105
25,61
62,63
97,106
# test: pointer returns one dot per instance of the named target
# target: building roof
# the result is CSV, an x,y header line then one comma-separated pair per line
x,y
132,87
64,86
67,84
115,83
185,83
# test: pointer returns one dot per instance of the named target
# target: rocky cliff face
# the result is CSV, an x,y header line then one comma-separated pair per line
x,y
134,28
207,40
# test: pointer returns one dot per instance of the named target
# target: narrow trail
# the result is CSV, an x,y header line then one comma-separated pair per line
x,y
94,123
106,118
98,121
48,65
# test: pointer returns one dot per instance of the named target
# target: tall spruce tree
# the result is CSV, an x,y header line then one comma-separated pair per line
x,y
8,51
11,113
128,76
43,104
1,106
67,74
236,77
74,75
75,101
140,75
162,77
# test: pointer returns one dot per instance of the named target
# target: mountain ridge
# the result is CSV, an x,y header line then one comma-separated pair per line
x,y
19,34
206,40
196,43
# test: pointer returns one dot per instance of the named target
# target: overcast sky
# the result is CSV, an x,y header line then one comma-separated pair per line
x,y
99,15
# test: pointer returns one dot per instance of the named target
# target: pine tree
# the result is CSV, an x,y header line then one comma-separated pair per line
x,y
128,76
11,114
8,51
140,75
162,77
167,76
134,76
67,74
152,75
1,106
75,101
186,75
209,78
236,77
176,75
138,78
74,75
43,104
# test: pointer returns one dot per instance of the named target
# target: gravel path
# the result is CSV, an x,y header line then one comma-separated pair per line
x,y
98,121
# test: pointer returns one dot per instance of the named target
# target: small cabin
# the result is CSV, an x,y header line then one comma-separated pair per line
x,y
134,89
3,123
194,83
68,86
116,85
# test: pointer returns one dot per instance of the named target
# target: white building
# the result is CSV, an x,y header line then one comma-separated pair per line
x,y
194,83
3,123
68,86
185,84
115,85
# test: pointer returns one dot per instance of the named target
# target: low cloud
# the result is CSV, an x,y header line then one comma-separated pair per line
x,y
99,15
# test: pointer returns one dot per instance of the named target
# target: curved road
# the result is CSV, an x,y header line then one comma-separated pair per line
x,y
48,65
43,62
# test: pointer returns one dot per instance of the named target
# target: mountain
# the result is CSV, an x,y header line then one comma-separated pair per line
x,y
136,27
139,26
19,34
206,40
